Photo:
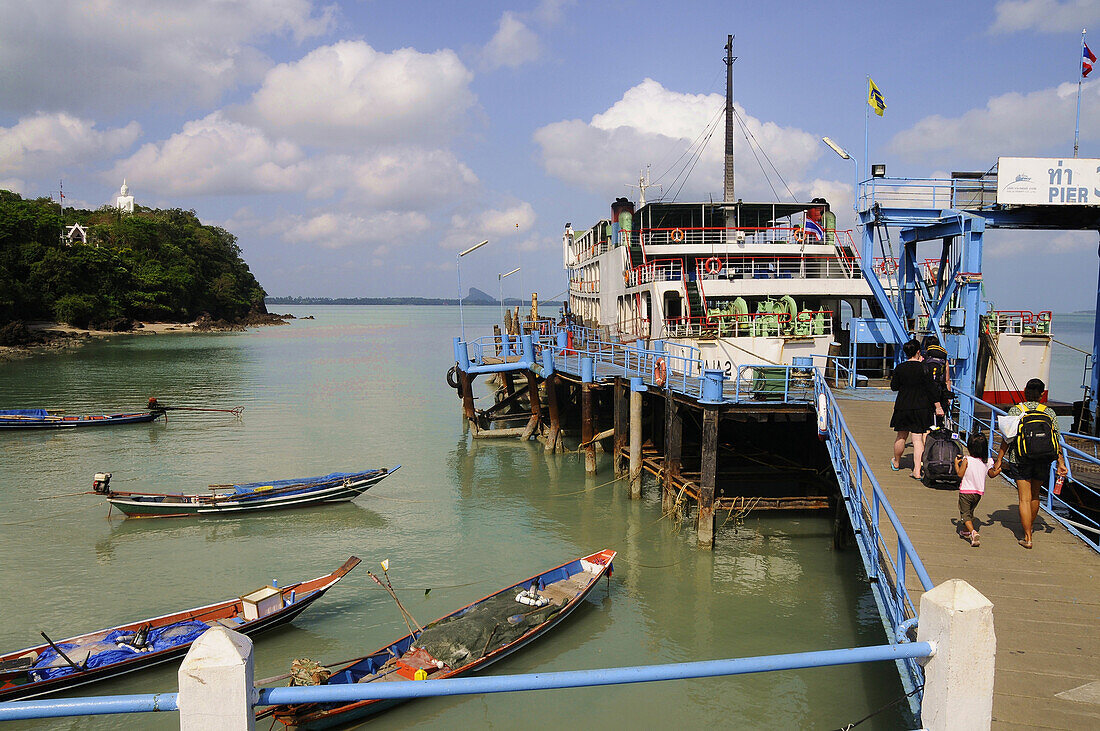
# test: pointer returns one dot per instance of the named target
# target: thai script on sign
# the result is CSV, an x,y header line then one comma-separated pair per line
x,y
1048,181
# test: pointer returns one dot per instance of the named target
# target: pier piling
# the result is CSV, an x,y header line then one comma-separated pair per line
x,y
554,436
637,387
707,476
674,434
588,371
622,416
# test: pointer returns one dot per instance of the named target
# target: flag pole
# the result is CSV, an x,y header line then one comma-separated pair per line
x,y
1080,76
866,130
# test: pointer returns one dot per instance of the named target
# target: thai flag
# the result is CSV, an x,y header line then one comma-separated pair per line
x,y
813,229
1087,61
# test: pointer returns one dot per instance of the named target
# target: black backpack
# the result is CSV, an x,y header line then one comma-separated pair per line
x,y
938,461
1035,435
935,363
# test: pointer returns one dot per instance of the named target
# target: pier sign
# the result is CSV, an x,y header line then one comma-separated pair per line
x,y
1048,181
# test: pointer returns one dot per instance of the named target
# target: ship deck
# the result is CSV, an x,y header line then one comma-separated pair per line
x,y
1046,600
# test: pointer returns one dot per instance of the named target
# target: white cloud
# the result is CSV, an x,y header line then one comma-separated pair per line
x,y
339,230
406,177
15,185
1011,124
492,223
113,54
44,142
349,94
654,125
217,156
1010,244
513,45
212,156
1048,16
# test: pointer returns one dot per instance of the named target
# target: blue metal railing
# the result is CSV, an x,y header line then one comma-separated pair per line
x,y
348,692
1072,518
866,504
566,348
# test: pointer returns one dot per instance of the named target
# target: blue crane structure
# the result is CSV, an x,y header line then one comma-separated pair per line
x,y
955,213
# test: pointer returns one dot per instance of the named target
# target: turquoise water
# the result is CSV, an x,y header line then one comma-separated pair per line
x,y
363,387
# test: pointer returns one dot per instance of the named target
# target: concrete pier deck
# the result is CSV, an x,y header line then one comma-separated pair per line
x,y
1046,600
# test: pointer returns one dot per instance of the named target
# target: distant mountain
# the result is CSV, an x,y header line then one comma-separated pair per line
x,y
477,297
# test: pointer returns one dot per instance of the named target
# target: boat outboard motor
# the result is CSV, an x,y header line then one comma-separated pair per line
x,y
101,483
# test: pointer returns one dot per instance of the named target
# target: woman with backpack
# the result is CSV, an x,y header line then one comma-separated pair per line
x,y
1027,458
914,408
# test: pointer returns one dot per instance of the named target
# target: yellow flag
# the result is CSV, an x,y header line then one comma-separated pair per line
x,y
386,565
875,98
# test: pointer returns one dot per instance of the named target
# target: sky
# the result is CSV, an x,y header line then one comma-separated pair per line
x,y
354,148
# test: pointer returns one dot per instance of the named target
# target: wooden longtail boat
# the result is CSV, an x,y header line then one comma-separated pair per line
x,y
107,653
43,419
244,498
459,643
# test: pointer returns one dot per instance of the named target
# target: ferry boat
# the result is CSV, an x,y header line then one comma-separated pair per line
x,y
734,284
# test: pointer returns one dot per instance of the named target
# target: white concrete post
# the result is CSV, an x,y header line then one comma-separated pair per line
x,y
958,679
216,683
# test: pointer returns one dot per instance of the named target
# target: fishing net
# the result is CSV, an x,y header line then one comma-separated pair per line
x,y
482,628
304,671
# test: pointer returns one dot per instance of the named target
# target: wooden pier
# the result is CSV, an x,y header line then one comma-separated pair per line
x,y
1046,600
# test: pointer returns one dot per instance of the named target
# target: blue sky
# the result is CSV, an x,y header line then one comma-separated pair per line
x,y
355,147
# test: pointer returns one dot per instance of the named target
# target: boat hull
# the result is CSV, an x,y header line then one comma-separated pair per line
x,y
71,422
311,591
317,717
150,505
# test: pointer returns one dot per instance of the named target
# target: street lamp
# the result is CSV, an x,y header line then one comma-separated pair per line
x,y
500,281
458,267
844,154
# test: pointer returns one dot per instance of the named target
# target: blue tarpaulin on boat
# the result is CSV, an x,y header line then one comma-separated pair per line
x,y
251,486
173,635
23,412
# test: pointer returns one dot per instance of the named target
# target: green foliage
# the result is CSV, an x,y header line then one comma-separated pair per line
x,y
152,265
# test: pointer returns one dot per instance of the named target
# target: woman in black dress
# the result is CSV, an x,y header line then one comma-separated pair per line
x,y
914,407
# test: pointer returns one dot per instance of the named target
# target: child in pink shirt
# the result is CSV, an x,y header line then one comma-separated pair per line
x,y
973,470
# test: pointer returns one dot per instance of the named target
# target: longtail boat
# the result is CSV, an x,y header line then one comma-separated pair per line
x,y
460,643
107,653
243,498
43,419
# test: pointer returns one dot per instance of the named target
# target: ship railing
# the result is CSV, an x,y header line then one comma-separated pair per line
x,y
658,270
799,266
591,252
886,558
699,236
751,324
1072,507
584,286
928,193
1021,322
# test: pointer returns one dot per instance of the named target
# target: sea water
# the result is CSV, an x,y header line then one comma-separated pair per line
x,y
362,387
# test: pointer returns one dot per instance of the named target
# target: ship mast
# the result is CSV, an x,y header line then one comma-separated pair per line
x,y
727,191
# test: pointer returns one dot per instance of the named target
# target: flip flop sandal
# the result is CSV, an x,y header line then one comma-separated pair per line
x,y
1025,544
895,469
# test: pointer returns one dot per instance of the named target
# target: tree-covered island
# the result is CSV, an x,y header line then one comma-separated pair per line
x,y
114,268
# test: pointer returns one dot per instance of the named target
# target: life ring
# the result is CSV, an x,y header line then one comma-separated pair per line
x,y
626,277
713,265
799,235
677,235
887,267
659,372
